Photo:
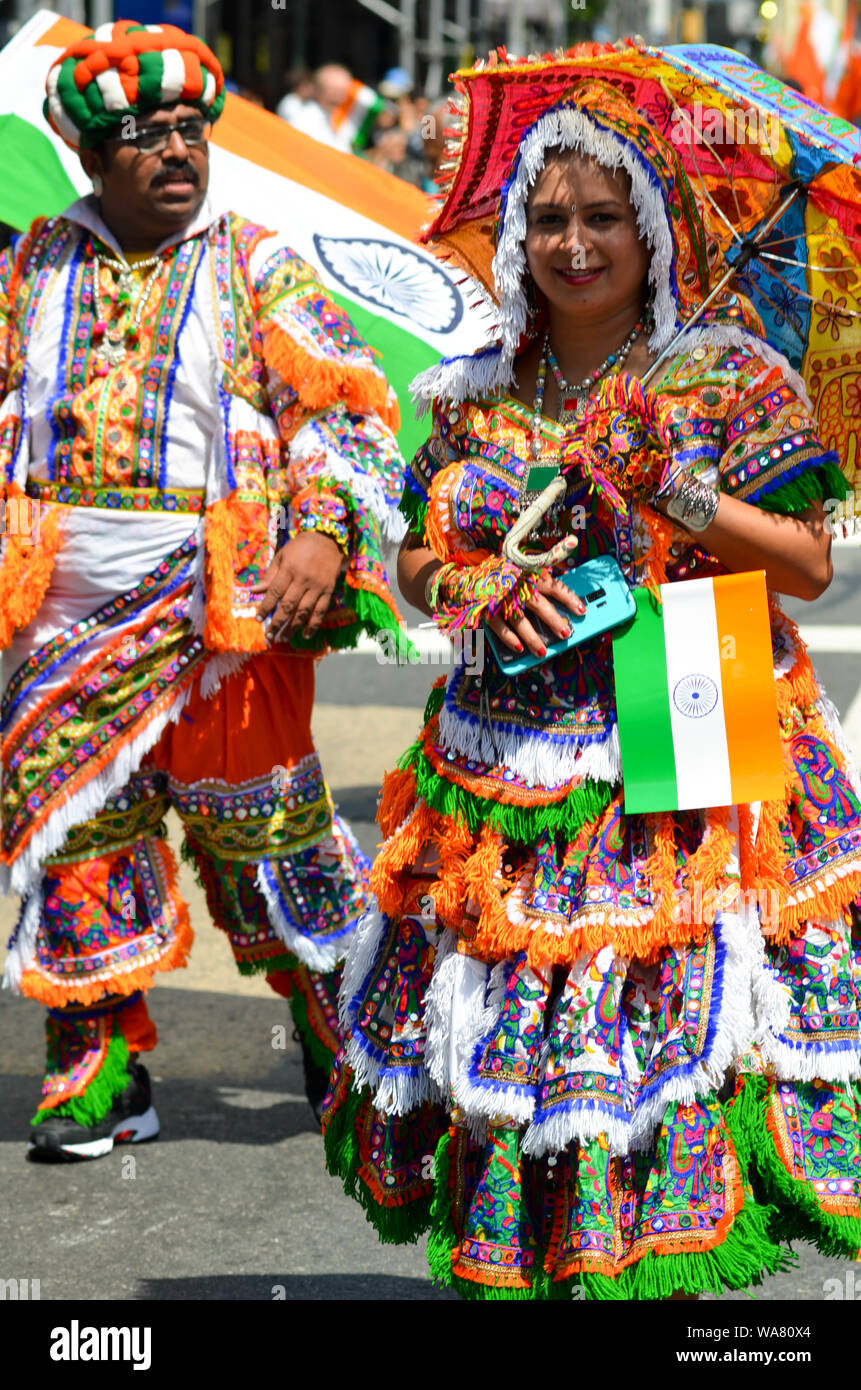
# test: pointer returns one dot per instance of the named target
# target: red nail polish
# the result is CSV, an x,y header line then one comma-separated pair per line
x,y
542,650
519,646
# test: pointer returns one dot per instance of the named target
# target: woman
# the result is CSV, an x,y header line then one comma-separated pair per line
x,y
552,1059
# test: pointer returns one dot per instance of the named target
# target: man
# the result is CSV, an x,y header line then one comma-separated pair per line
x,y
341,112
205,445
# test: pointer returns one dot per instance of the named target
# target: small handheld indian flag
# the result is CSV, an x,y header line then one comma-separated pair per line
x,y
695,697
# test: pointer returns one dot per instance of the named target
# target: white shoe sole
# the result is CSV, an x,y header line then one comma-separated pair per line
x,y
136,1129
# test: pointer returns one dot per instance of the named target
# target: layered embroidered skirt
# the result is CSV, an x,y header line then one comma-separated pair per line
x,y
598,1055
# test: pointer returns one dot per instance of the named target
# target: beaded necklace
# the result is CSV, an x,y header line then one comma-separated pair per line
x,y
115,342
574,399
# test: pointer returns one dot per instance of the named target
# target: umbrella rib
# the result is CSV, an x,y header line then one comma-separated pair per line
x,y
733,232
805,265
853,313
782,313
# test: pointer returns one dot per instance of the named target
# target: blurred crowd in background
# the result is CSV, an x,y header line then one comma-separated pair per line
x,y
392,125
398,127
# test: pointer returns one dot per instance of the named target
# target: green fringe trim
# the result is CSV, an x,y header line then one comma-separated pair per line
x,y
109,1082
742,1259
373,617
414,510
797,1214
320,1053
402,1225
443,1237
266,966
812,485
186,854
585,803
435,702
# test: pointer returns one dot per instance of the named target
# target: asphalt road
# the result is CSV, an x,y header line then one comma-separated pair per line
x,y
233,1202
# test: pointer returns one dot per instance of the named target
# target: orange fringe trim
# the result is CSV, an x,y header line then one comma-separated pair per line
x,y
471,888
36,986
137,1028
26,570
656,557
397,799
398,856
320,382
223,631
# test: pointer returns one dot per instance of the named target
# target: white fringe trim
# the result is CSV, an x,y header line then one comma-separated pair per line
x,y
23,952
734,1032
197,602
438,1007
219,668
831,719
307,445
581,1126
316,955
566,129
399,1092
364,947
809,1063
480,1004
542,762
455,378
23,875
366,1069
727,335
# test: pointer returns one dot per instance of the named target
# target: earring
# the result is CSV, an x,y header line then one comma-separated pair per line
x,y
531,301
574,209
98,185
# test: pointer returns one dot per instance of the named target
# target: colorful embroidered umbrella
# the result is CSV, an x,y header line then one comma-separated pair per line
x,y
777,177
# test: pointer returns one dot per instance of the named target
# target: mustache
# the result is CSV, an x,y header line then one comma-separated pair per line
x,y
183,171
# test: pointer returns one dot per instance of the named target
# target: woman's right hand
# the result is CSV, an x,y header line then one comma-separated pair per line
x,y
519,633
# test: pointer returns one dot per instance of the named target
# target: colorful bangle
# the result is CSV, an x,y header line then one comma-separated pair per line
x,y
326,513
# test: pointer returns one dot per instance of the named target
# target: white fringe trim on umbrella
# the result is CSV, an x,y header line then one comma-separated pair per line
x,y
22,952
492,369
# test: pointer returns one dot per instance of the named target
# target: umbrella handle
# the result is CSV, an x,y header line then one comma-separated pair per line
x,y
526,523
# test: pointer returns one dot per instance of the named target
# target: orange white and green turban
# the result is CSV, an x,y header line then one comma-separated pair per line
x,y
126,69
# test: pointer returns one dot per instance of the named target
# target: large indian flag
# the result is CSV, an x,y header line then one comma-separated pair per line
x,y
695,697
354,222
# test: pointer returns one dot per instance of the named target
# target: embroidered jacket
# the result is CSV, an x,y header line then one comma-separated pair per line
x,y
247,399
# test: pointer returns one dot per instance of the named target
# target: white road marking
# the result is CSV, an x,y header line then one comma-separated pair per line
x,y
852,726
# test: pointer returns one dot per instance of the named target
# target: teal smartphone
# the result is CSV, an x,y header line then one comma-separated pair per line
x,y
609,603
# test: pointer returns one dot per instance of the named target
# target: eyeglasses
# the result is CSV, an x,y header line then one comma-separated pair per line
x,y
152,139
